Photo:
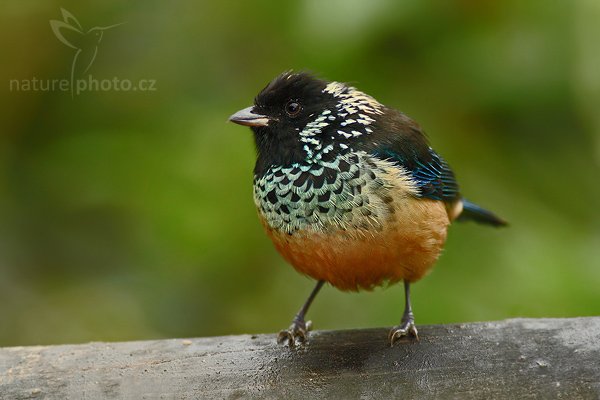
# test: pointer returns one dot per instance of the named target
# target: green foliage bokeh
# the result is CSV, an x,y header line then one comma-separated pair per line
x,y
129,215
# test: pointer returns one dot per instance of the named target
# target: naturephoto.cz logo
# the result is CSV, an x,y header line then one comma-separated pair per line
x,y
86,46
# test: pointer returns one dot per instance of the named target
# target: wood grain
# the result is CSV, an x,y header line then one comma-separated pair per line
x,y
518,358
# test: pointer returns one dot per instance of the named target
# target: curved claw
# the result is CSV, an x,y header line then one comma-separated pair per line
x,y
297,331
407,328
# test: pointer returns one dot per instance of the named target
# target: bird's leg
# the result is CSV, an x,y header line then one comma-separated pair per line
x,y
299,328
407,324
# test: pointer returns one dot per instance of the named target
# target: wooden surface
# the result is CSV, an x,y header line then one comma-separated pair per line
x,y
519,358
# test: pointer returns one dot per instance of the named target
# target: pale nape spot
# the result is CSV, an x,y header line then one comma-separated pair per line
x,y
335,88
353,100
360,106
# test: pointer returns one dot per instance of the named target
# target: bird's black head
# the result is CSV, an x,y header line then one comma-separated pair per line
x,y
298,118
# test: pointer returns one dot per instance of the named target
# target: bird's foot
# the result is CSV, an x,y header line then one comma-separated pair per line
x,y
406,328
297,331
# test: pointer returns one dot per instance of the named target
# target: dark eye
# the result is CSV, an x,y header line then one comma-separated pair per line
x,y
292,108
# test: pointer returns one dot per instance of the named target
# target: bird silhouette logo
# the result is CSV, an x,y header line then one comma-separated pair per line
x,y
85,43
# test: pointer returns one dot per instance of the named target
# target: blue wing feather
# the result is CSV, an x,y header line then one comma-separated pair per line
x,y
430,171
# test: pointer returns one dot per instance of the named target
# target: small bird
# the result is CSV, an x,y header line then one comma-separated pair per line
x,y
70,32
349,190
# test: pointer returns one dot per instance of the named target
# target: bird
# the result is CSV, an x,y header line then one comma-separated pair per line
x,y
350,191
85,42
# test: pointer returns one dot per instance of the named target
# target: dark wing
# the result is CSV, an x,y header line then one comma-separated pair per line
x,y
431,173
435,178
399,139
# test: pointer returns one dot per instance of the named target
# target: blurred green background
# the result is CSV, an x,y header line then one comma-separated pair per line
x,y
129,215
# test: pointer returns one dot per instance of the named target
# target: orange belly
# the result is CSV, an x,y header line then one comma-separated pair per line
x,y
405,247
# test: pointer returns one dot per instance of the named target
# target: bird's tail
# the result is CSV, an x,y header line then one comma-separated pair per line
x,y
472,212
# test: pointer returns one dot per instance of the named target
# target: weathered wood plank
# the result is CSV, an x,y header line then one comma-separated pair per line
x,y
519,358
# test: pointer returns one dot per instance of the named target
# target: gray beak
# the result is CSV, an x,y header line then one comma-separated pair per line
x,y
248,118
